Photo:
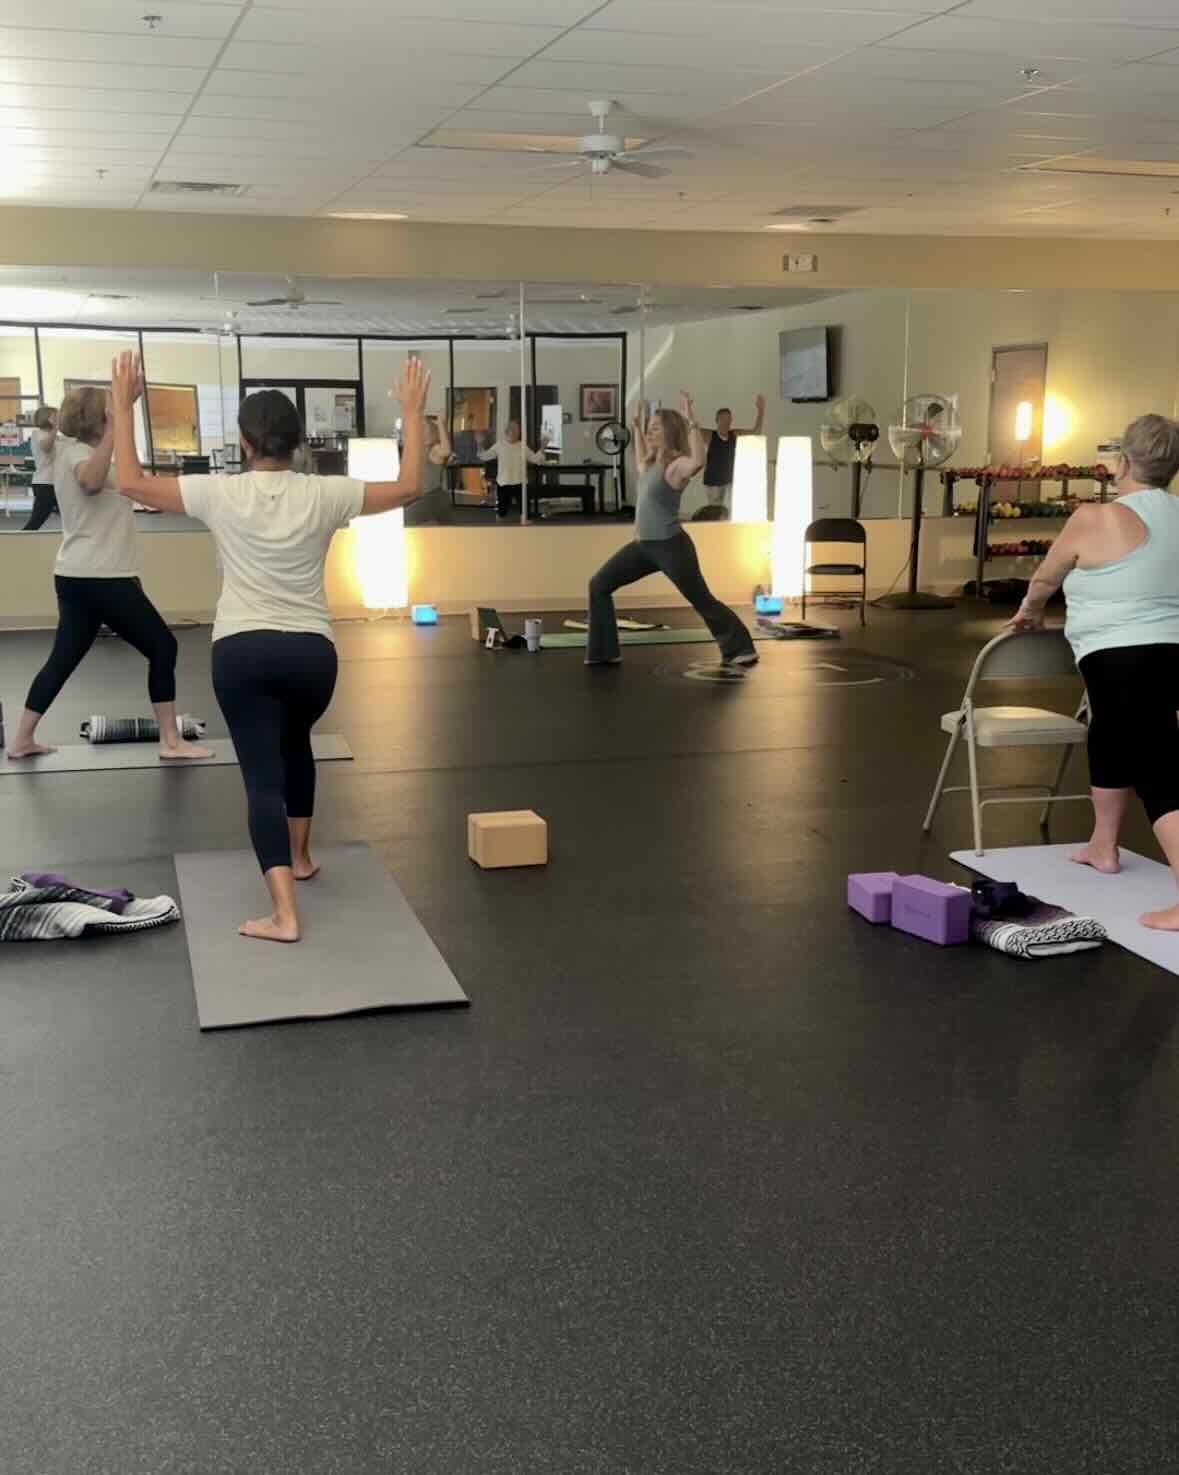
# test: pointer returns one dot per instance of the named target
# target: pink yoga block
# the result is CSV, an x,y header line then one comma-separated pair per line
x,y
870,894
931,909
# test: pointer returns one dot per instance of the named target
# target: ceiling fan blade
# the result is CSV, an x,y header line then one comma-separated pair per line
x,y
318,302
647,171
668,150
272,302
565,164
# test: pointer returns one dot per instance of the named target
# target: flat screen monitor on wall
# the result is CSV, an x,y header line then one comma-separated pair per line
x,y
806,364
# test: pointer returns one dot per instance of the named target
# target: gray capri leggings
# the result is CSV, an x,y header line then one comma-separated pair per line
x,y
675,557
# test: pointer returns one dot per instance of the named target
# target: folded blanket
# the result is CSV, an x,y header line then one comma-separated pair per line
x,y
48,913
117,895
1045,932
137,729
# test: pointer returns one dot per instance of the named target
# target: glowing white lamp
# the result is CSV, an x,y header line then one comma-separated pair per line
x,y
794,511
749,480
1023,421
382,559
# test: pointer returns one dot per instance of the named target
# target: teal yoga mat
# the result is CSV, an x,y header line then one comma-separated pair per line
x,y
696,636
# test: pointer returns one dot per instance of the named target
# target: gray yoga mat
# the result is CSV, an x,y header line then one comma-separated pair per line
x,y
362,946
85,757
1115,901
693,636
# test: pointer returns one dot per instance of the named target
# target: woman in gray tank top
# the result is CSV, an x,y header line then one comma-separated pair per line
x,y
670,451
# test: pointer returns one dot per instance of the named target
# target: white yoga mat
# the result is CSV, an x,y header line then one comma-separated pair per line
x,y
1116,901
86,757
363,947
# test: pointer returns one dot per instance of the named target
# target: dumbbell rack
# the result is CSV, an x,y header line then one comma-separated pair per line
x,y
986,481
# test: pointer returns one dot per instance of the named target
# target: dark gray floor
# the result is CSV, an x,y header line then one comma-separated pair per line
x,y
711,1178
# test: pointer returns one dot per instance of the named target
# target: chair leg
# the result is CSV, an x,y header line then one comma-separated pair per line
x,y
1056,784
864,600
975,805
943,773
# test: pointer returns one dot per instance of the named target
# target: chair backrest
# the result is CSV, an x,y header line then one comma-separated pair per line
x,y
835,530
1029,653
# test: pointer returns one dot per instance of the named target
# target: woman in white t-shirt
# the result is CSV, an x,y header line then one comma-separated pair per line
x,y
511,473
44,497
96,578
274,656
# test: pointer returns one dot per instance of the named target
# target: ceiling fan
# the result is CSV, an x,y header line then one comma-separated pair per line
x,y
294,299
604,151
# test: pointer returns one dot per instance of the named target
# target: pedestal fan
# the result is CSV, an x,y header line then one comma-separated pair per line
x,y
612,440
925,433
849,436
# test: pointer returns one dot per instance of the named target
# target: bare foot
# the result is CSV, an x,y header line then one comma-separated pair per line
x,y
184,750
1108,862
30,750
305,869
270,929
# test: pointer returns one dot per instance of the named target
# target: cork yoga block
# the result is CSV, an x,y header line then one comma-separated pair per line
x,y
514,837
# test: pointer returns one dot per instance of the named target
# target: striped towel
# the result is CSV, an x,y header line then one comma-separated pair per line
x,y
49,913
137,729
1045,932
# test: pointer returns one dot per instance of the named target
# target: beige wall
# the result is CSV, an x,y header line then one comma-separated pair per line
x,y
63,237
515,569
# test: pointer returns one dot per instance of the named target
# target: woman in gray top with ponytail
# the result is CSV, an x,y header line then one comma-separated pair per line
x,y
670,450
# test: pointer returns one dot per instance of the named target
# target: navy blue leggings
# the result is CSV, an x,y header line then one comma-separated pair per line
x,y
273,686
84,607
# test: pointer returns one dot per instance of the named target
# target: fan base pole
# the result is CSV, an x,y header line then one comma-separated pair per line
x,y
914,600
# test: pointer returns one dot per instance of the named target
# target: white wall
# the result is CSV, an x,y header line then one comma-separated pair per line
x,y
1111,356
727,361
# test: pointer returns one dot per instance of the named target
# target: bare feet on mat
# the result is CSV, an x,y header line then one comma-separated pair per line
x,y
1108,862
270,929
1164,921
305,868
30,750
182,750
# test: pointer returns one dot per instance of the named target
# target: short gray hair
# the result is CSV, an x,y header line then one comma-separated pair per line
x,y
1151,445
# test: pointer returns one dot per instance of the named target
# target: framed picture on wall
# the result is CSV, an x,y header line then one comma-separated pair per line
x,y
599,401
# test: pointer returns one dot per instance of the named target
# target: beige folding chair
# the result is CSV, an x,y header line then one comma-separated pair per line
x,y
1035,654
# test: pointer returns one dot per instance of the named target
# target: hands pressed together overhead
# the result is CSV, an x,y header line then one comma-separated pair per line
x,y
126,381
413,387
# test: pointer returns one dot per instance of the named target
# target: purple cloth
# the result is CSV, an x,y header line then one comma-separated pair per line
x,y
117,896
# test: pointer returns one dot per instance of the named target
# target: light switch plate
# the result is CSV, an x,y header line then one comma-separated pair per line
x,y
808,262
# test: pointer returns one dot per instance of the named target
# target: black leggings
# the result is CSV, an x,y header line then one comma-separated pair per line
x,y
273,686
1133,729
84,606
44,506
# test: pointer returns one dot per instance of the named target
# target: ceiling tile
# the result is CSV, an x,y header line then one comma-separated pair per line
x,y
958,32
48,73
82,46
208,21
93,101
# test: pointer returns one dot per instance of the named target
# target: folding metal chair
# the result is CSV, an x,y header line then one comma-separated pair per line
x,y
1034,654
835,530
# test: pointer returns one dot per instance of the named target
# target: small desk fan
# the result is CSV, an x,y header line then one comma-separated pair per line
x,y
925,433
849,436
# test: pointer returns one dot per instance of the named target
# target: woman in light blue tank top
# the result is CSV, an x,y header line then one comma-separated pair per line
x,y
670,451
1118,565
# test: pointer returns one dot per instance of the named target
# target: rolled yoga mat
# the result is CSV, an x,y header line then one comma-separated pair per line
x,y
1115,901
137,729
363,948
328,748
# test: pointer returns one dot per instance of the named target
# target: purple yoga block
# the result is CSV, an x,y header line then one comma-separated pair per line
x,y
870,894
931,909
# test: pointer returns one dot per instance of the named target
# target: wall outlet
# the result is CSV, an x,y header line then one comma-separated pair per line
x,y
809,262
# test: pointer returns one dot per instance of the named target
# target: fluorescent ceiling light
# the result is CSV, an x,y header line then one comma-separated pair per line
x,y
787,227
367,215
1128,168
34,302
